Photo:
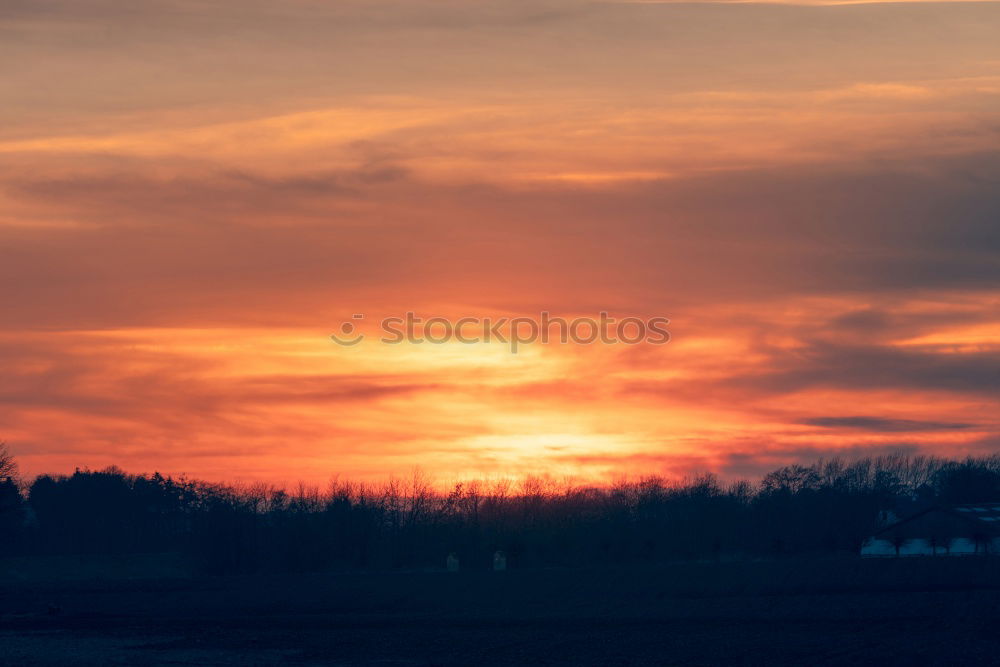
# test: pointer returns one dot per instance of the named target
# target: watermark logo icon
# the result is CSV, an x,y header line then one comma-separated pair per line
x,y
347,337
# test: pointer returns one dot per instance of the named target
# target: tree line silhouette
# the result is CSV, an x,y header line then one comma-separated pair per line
x,y
825,508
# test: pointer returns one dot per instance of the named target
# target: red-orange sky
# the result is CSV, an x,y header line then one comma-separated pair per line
x,y
194,195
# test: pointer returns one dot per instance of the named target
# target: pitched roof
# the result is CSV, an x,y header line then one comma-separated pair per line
x,y
978,516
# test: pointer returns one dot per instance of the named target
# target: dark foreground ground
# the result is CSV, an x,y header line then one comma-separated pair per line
x,y
822,612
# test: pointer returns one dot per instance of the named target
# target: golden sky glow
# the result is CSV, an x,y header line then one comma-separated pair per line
x,y
193,196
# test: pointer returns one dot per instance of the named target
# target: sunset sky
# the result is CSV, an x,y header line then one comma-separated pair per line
x,y
194,194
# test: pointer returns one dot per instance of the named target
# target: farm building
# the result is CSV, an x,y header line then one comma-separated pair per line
x,y
957,530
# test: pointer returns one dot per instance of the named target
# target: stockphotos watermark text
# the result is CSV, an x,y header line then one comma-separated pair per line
x,y
512,331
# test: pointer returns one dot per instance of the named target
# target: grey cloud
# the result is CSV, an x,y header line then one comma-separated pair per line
x,y
877,367
881,424
200,240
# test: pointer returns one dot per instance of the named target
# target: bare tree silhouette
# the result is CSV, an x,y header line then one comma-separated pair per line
x,y
11,503
8,466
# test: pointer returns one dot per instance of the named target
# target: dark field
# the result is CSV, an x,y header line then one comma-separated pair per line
x,y
825,612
